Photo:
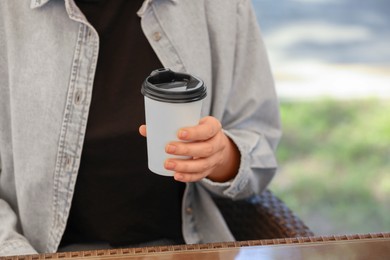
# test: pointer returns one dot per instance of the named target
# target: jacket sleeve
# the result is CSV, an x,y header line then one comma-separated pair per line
x,y
251,116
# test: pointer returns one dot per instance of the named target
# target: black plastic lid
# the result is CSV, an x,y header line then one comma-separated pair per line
x,y
168,86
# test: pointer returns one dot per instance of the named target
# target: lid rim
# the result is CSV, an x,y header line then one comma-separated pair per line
x,y
192,94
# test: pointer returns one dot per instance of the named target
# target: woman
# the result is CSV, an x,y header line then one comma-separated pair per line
x,y
73,164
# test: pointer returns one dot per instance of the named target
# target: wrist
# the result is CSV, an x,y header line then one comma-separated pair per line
x,y
228,168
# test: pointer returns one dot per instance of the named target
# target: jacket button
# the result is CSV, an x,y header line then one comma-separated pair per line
x,y
78,97
189,210
68,162
157,36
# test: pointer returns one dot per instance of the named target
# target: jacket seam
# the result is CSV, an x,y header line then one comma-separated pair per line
x,y
155,13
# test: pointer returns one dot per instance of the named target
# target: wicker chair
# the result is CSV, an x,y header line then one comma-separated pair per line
x,y
261,217
261,220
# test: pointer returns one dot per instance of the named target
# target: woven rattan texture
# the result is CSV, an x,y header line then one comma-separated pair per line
x,y
261,217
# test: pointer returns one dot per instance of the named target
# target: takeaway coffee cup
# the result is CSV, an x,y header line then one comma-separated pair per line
x,y
172,100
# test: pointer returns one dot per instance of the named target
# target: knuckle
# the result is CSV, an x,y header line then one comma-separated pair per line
x,y
184,167
205,165
189,178
184,149
219,125
210,131
208,149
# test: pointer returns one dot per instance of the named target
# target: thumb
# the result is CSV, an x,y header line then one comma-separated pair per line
x,y
142,130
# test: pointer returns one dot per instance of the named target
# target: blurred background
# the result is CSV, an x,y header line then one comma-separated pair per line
x,y
331,62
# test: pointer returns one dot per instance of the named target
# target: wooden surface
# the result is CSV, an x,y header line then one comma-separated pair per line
x,y
366,246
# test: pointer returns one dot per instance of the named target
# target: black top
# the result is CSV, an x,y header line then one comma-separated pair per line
x,y
117,199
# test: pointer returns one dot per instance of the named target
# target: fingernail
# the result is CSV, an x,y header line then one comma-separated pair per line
x,y
178,176
169,165
183,134
171,148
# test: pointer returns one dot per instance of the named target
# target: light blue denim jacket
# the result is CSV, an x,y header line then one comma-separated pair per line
x,y
48,56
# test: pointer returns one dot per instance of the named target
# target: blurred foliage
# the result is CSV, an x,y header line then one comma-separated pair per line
x,y
334,160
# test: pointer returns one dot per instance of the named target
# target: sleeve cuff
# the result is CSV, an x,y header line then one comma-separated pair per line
x,y
237,186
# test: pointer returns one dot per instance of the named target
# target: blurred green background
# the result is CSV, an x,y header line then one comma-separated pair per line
x,y
331,63
334,164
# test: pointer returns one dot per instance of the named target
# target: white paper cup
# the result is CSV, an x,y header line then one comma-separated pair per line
x,y
172,101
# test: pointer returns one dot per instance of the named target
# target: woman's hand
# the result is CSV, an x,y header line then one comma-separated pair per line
x,y
213,154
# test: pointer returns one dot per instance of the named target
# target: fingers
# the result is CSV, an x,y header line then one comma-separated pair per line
x,y
191,170
142,130
189,166
206,129
205,143
194,149
208,156
189,177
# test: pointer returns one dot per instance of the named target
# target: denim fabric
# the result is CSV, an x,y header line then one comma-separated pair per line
x,y
48,57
